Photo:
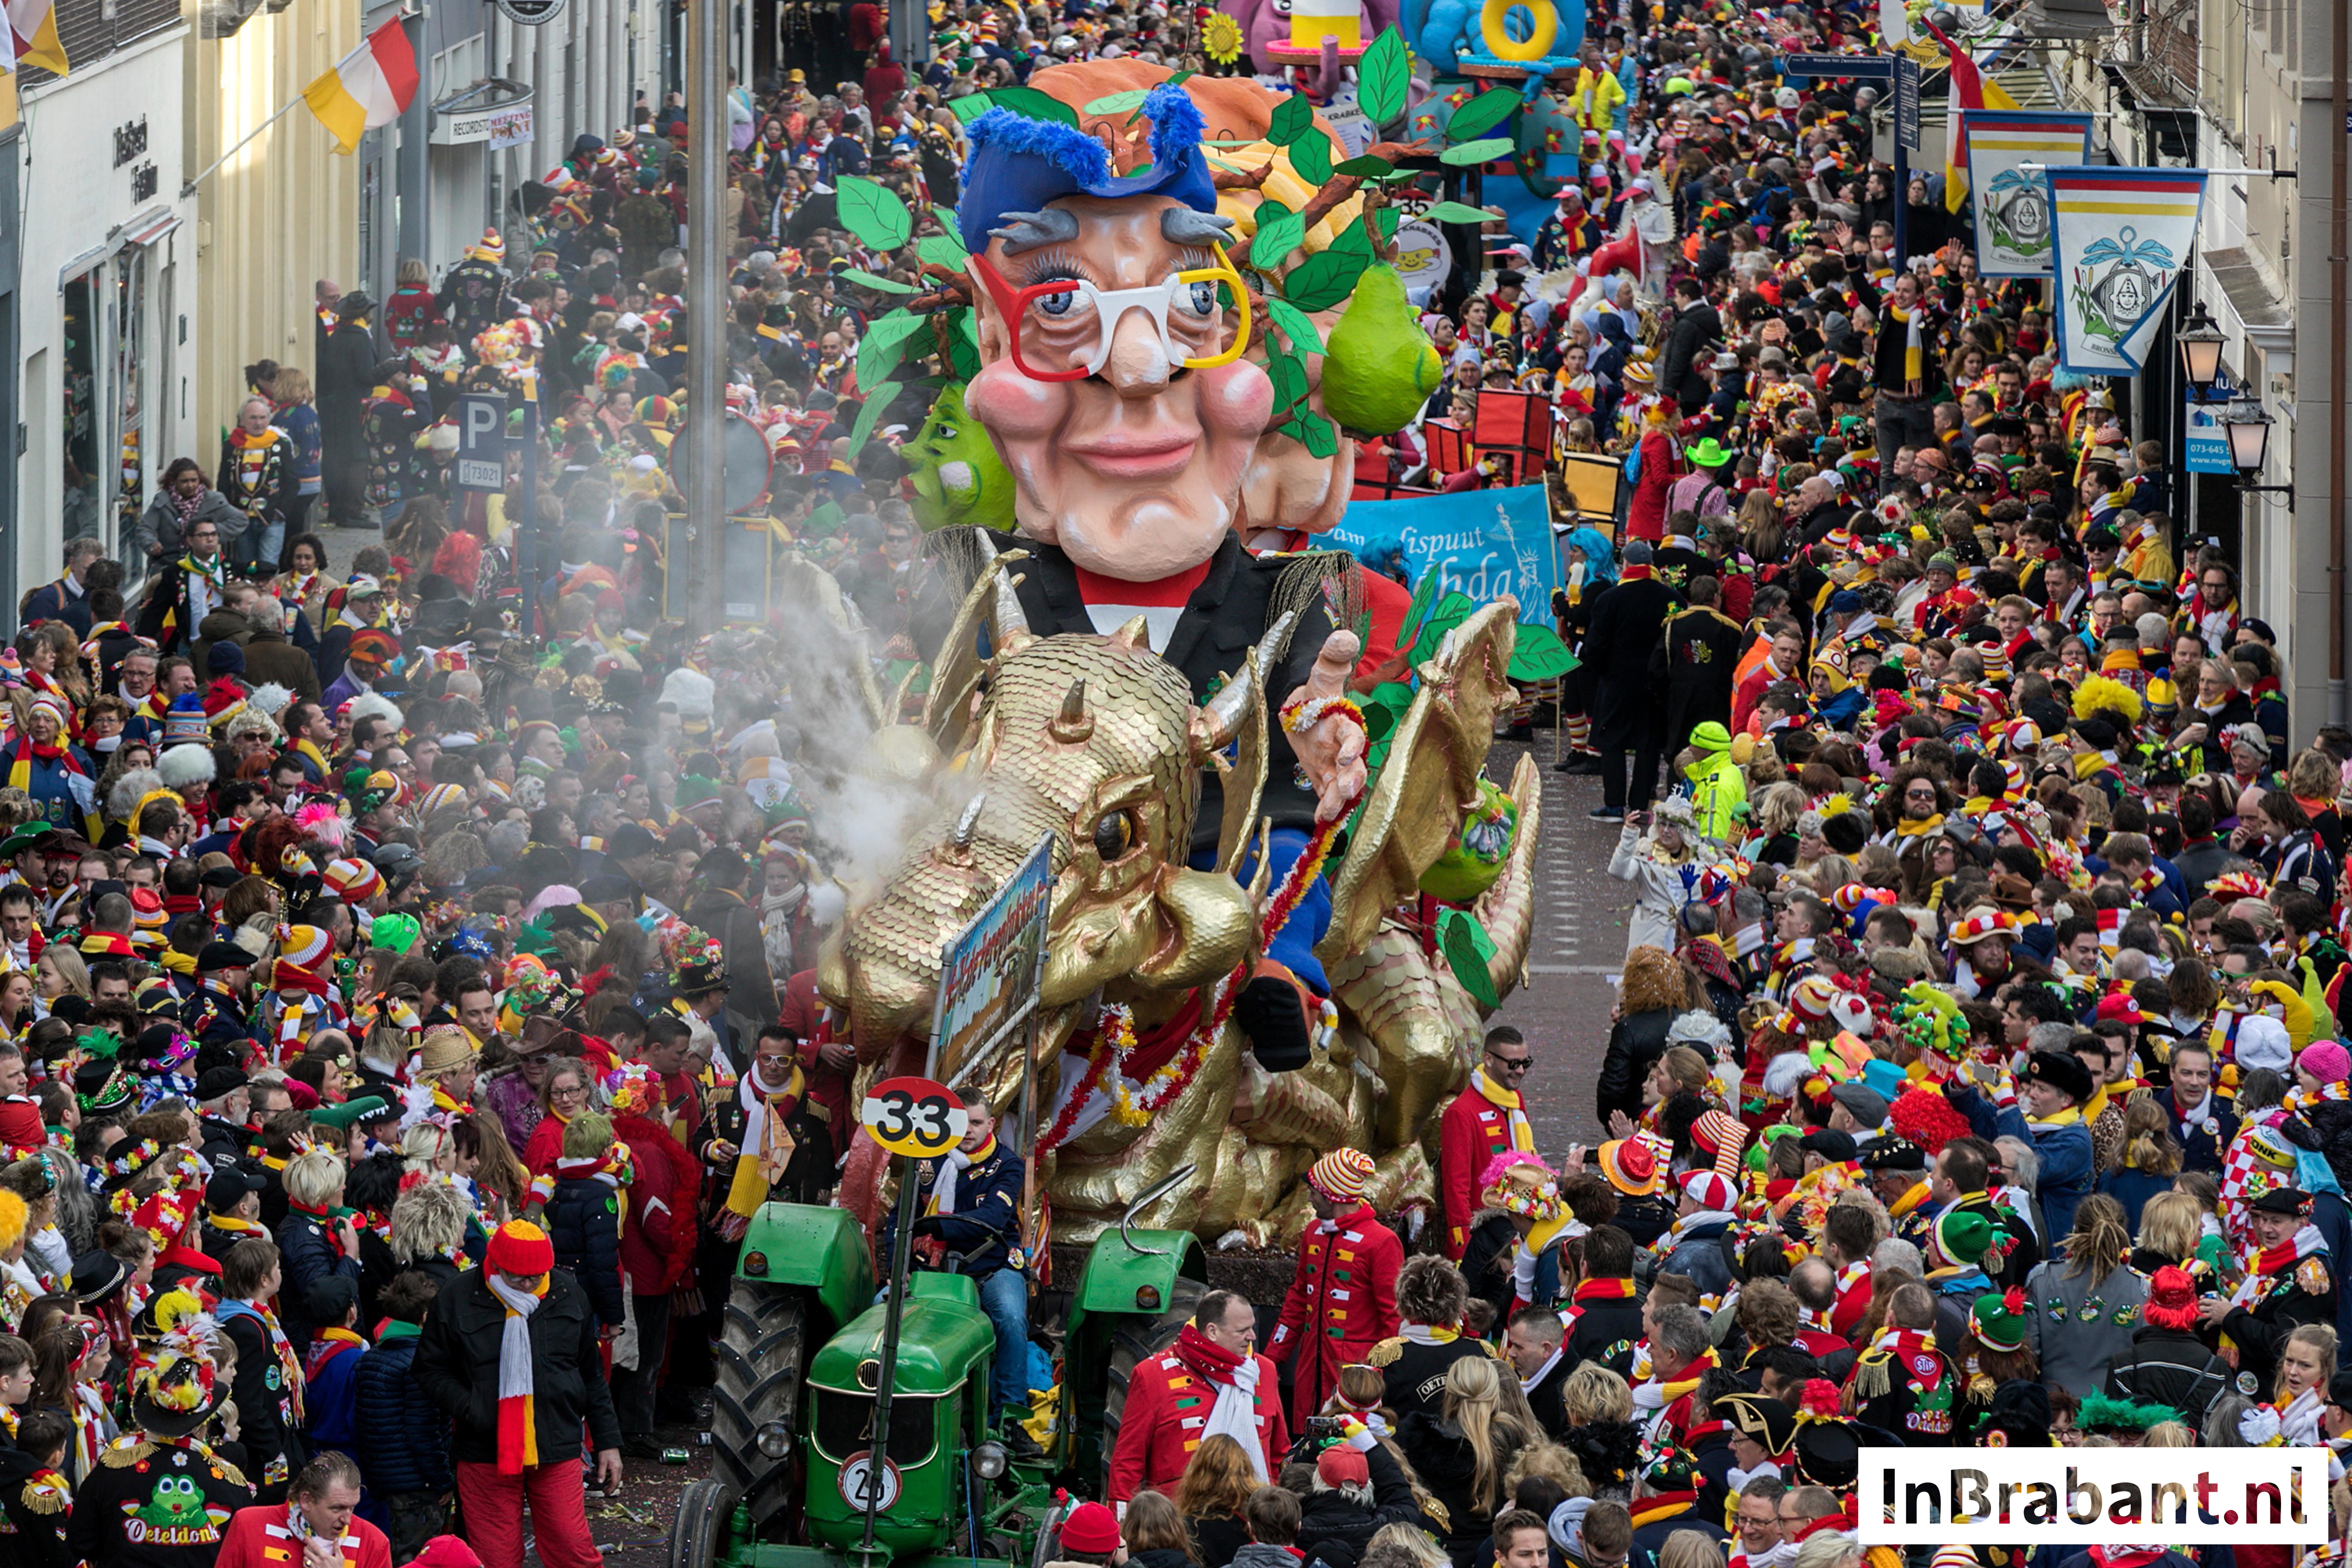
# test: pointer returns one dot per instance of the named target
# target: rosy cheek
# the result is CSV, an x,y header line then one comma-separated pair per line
x,y
1012,406
1235,399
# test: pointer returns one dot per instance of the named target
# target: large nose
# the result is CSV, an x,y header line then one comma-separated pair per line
x,y
1138,366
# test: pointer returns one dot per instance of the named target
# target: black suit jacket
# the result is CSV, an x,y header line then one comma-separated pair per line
x,y
1627,621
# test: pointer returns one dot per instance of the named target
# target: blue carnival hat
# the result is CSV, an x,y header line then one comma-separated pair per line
x,y
1019,164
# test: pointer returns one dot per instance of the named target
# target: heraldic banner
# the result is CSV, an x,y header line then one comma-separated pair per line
x,y
2014,206
2121,236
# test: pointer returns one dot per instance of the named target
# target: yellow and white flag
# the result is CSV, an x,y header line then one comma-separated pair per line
x,y
367,90
2120,236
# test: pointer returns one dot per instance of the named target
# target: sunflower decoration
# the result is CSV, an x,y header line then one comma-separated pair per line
x,y
1220,39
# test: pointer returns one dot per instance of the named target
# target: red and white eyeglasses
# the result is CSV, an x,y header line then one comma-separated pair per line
x,y
1062,328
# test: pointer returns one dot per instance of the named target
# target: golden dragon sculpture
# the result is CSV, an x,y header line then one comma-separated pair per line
x,y
1096,741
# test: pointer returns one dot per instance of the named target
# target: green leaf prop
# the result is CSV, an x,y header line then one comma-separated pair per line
x,y
1280,231
1459,212
877,403
873,212
1425,594
1366,168
885,344
1452,610
1383,706
1325,278
1468,153
1353,241
942,250
1384,77
1036,105
1295,325
1316,434
964,346
1293,118
1311,156
1388,218
969,106
1118,103
1537,654
1467,948
1290,378
1482,113
869,281
948,220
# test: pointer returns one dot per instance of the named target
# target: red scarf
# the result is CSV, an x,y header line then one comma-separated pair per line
x,y
331,1343
1206,1357
1603,1290
1632,574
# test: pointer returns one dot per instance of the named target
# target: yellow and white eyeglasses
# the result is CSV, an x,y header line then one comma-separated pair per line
x,y
1062,328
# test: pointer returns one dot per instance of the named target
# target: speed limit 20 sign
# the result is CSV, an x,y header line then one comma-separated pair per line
x,y
913,1116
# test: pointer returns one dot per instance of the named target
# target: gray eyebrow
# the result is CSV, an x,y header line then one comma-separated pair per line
x,y
1182,225
1029,231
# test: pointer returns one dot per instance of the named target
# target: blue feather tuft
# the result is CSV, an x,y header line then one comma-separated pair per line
x,y
1069,149
1176,123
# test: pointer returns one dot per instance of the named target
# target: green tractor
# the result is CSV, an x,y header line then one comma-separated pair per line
x,y
795,1409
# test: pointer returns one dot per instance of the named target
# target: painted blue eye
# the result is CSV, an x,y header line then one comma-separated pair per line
x,y
1198,300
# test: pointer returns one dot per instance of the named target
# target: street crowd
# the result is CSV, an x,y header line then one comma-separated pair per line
x,y
407,962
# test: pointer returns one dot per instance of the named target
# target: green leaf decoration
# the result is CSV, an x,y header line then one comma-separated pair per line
x,y
873,212
1180,78
869,281
1353,241
1280,232
963,345
877,403
1425,594
942,250
1467,948
1384,77
1451,611
1377,722
1482,113
1325,278
885,344
1465,153
1366,167
1459,212
1036,105
1388,218
1119,102
1289,377
947,219
1295,324
1316,434
1311,156
1537,654
969,106
1293,118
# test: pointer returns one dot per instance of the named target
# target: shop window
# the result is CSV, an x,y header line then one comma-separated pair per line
x,y
79,420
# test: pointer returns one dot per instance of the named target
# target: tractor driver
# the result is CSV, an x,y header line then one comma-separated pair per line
x,y
969,1209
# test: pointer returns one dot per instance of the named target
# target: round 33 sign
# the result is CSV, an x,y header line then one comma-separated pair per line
x,y
913,1116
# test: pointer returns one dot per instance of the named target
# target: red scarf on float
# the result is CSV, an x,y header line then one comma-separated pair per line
x,y
1205,1356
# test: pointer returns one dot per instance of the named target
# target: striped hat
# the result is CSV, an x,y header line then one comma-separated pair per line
x,y
353,881
492,248
373,647
1811,997
1722,1135
1341,1174
1979,924
1632,1167
442,796
302,946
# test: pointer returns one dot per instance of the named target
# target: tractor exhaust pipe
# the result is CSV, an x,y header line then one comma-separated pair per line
x,y
1174,1179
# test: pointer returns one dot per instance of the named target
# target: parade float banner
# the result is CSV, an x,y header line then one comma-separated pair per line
x,y
988,974
2014,206
2120,238
1484,543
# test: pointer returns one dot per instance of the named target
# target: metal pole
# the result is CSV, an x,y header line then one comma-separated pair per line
x,y
902,1252
526,527
2340,177
415,170
705,302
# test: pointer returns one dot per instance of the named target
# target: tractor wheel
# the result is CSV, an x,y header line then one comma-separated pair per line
x,y
699,1530
760,1359
1136,1340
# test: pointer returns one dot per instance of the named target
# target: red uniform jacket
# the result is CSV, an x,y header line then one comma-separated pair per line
x,y
1342,1302
257,1537
1473,1131
1168,1406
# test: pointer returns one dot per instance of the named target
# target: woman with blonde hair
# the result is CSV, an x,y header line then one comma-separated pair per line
x,y
2171,1233
1216,1483
1462,1453
2081,1310
313,1241
1772,836
2150,1160
60,971
2306,1362
1689,1549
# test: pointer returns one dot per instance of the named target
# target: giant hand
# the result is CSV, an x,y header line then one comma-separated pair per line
x,y
1331,746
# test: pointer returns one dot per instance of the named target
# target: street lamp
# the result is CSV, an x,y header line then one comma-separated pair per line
x,y
2201,352
2248,430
